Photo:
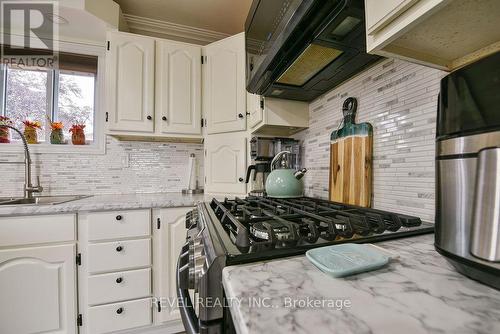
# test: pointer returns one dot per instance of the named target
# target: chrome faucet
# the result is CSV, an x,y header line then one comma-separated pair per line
x,y
29,189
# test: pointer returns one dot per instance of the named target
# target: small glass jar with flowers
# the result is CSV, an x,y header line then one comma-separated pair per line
x,y
77,134
30,129
56,133
5,131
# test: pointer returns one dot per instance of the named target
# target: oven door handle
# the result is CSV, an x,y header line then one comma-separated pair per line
x,y
186,308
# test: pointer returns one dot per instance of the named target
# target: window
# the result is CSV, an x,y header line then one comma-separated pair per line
x,y
66,95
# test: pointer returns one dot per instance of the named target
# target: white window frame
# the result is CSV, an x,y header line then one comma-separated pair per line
x,y
98,146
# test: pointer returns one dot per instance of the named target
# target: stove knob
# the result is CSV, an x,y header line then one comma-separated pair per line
x,y
199,269
195,251
192,218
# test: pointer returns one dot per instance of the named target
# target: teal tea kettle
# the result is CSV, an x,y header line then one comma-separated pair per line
x,y
284,182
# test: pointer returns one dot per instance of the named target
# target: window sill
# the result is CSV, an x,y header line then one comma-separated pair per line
x,y
45,148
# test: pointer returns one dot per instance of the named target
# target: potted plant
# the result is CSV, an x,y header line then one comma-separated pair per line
x,y
5,131
30,131
56,133
77,134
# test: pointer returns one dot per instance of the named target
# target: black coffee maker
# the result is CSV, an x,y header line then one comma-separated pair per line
x,y
261,170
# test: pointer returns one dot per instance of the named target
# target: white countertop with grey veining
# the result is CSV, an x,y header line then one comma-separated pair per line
x,y
108,202
418,293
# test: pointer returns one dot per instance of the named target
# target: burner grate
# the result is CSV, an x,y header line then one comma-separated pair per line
x,y
263,223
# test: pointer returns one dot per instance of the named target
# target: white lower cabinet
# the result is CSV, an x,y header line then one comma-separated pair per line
x,y
38,283
168,238
125,262
119,316
128,260
121,285
114,274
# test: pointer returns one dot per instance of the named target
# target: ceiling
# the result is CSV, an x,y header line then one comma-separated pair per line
x,y
224,16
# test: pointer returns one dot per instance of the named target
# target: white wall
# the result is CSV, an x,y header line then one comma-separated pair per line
x,y
399,99
151,167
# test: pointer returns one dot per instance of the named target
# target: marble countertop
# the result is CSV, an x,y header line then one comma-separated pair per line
x,y
108,202
418,293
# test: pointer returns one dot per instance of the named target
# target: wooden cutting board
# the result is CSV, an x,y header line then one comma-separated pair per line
x,y
351,159
351,170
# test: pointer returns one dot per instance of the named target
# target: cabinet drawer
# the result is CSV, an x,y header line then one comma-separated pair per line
x,y
118,224
26,230
108,288
119,316
119,255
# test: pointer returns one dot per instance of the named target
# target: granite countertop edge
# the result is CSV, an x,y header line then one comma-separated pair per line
x,y
108,202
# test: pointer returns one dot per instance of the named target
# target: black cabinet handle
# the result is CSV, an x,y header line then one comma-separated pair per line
x,y
164,118
120,310
149,118
240,179
240,115
119,217
119,248
119,280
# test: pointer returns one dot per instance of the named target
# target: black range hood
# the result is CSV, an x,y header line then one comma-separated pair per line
x,y
300,49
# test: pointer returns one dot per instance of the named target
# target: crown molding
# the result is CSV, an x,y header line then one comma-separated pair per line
x,y
169,30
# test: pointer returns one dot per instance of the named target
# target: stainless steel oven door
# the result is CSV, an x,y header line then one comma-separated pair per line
x,y
186,306
188,300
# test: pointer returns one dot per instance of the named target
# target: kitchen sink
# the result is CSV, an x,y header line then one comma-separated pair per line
x,y
40,200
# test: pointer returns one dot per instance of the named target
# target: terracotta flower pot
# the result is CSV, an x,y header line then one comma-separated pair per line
x,y
78,137
4,135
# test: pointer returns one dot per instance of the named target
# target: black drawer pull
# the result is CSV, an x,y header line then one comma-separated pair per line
x,y
120,310
119,217
149,118
119,280
164,118
119,248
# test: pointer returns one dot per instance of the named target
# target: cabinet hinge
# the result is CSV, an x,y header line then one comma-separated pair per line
x,y
262,103
107,116
158,223
79,320
202,122
205,152
202,61
158,305
79,259
108,45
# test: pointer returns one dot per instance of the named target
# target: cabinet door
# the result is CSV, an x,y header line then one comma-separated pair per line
x,y
254,109
38,289
224,92
178,88
130,82
225,163
168,238
380,13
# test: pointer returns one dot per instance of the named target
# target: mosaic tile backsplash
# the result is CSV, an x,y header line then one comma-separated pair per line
x,y
126,167
399,99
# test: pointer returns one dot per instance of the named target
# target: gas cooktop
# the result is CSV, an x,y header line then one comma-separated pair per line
x,y
259,228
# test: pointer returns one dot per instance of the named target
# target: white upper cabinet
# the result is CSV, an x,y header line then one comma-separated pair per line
x,y
225,163
255,109
224,92
178,87
130,82
445,34
38,289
